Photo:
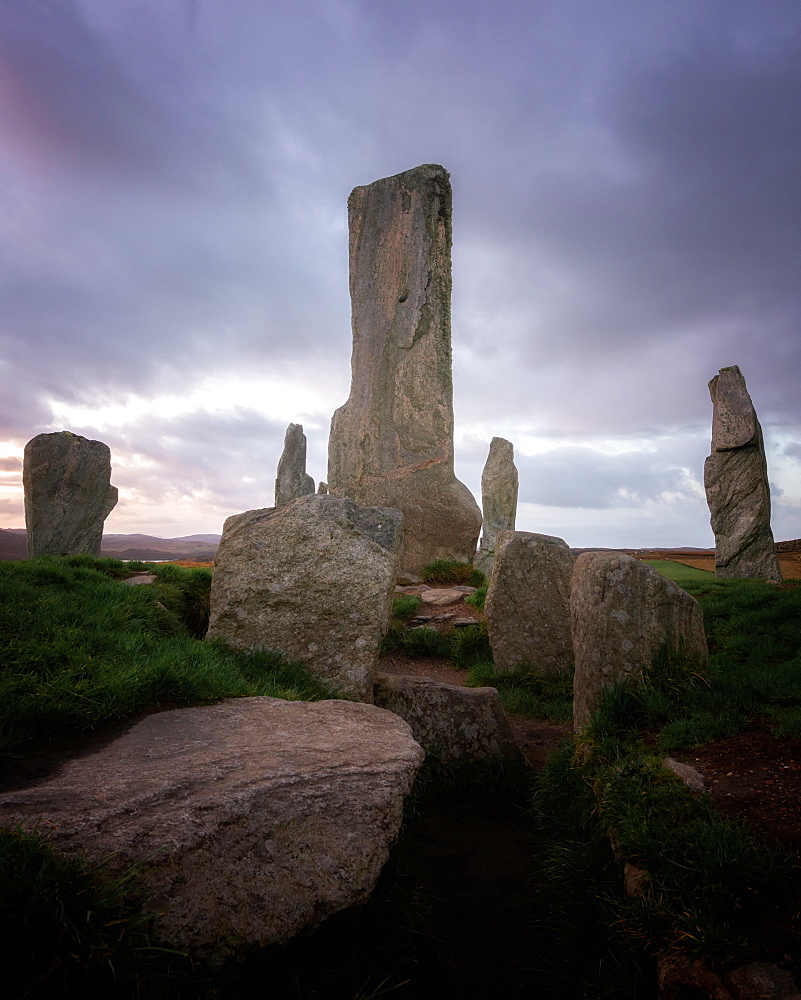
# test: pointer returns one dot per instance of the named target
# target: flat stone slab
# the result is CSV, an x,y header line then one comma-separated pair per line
x,y
253,819
139,579
440,598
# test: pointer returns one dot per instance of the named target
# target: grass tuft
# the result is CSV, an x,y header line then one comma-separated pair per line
x,y
444,571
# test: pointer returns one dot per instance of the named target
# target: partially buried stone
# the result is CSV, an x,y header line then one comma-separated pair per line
x,y
391,443
68,494
312,580
623,613
249,821
456,723
736,483
292,480
528,603
499,484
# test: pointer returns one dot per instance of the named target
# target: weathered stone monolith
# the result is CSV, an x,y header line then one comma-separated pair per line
x,y
312,580
292,481
528,603
391,443
68,494
736,482
498,499
623,612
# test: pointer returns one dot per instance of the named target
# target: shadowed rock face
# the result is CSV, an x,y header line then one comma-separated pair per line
x,y
391,443
456,723
736,483
622,613
253,819
292,481
68,494
312,580
498,499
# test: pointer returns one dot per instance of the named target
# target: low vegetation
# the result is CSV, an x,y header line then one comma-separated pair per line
x,y
441,572
82,650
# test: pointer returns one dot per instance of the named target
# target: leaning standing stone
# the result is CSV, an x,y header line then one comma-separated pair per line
x,y
736,482
391,443
528,603
68,494
498,499
623,613
313,581
292,481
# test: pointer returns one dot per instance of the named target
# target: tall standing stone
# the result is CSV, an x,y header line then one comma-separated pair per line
x,y
623,612
292,481
68,494
391,443
312,580
498,499
736,482
528,603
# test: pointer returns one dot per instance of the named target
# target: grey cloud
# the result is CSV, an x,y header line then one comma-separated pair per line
x,y
10,465
793,450
582,477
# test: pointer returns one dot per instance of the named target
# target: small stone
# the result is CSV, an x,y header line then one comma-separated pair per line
x,y
693,779
441,598
140,578
762,981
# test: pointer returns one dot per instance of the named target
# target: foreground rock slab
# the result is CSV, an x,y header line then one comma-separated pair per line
x,y
499,484
528,603
736,483
623,612
292,480
391,443
254,819
68,494
456,723
313,581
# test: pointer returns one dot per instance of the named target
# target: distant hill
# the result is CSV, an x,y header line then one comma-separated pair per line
x,y
198,548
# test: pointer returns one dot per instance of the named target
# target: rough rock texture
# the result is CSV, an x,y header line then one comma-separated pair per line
x,y
391,443
292,480
458,723
736,482
528,603
623,612
312,580
498,499
263,817
762,981
68,494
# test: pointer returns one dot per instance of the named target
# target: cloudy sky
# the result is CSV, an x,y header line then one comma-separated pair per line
x,y
627,220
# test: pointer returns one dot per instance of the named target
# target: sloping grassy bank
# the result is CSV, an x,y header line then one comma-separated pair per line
x,y
705,885
81,649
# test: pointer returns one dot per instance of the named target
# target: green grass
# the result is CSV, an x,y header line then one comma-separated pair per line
x,y
525,692
80,649
444,571
712,889
678,571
